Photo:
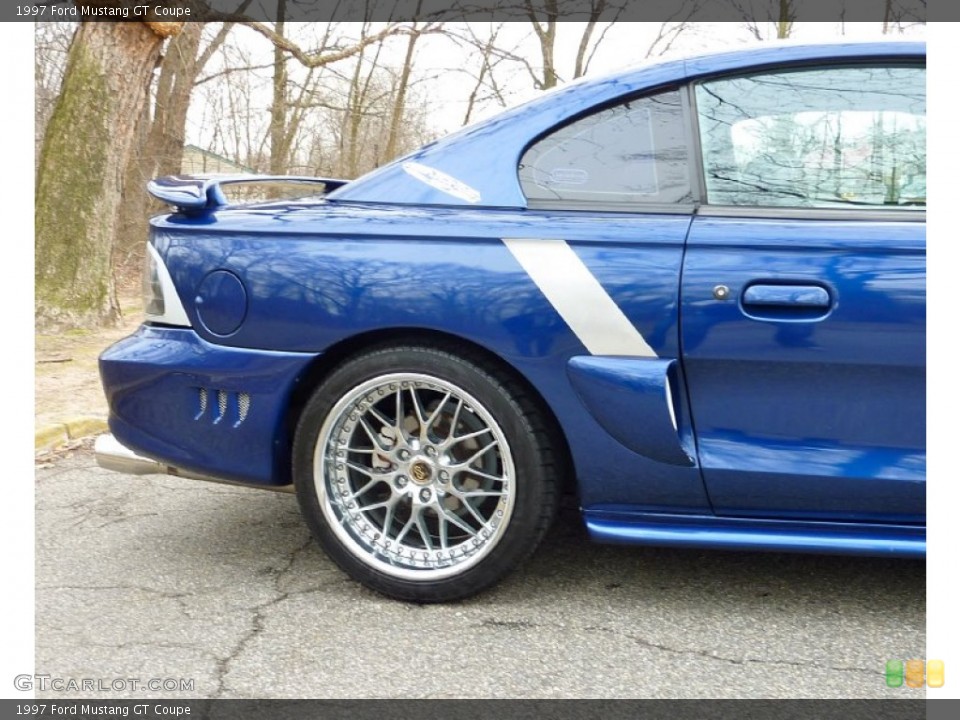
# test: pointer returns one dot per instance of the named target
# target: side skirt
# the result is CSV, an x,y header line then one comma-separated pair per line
x,y
707,531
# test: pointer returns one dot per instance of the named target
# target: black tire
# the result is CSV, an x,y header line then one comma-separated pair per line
x,y
375,461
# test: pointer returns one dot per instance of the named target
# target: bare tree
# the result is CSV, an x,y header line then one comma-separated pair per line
x,y
184,61
546,19
286,113
763,17
279,133
670,31
85,151
340,118
400,94
366,116
364,98
485,75
898,15
767,19
158,149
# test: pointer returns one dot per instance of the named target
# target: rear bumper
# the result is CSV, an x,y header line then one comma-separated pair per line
x,y
206,410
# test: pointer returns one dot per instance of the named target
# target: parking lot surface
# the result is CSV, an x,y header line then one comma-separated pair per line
x,y
161,578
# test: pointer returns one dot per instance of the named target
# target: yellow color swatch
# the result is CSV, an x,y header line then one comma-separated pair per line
x,y
935,673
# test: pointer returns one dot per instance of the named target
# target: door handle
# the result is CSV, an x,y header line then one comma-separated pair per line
x,y
803,296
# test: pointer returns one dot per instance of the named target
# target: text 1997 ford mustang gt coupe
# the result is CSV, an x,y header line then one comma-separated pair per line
x,y
693,293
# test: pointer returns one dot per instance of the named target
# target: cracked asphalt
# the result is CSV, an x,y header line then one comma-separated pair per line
x,y
157,577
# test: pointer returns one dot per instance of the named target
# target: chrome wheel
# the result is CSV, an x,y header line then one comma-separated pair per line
x,y
426,472
414,476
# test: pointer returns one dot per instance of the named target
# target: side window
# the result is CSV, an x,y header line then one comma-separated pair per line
x,y
627,154
837,137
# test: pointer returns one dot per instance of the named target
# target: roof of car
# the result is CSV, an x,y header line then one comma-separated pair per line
x,y
470,166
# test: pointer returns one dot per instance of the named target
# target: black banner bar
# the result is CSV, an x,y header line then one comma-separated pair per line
x,y
898,11
893,709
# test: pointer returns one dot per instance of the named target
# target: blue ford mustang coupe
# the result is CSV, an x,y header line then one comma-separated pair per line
x,y
691,293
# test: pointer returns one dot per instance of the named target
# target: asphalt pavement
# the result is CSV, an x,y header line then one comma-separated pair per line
x,y
144,578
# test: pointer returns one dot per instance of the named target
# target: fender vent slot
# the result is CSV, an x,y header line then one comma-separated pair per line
x,y
202,403
221,405
231,407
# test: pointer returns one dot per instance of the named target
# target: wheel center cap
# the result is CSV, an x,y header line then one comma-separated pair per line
x,y
421,472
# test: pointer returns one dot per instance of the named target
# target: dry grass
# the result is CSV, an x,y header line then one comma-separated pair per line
x,y
66,378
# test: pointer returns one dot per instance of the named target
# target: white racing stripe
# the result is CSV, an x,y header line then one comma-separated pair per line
x,y
578,297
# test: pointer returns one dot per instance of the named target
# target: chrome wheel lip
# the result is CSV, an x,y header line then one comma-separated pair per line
x,y
358,534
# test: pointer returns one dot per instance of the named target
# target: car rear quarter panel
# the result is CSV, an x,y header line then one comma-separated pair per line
x,y
316,277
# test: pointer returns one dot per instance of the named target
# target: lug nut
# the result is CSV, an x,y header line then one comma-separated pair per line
x,y
401,481
403,455
444,475
424,495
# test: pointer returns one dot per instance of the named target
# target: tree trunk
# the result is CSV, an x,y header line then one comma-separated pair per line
x,y
170,118
547,40
396,115
84,157
547,35
785,20
135,207
278,110
157,150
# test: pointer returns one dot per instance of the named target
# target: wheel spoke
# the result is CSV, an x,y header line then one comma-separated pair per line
x,y
433,417
373,506
380,418
424,532
455,420
458,522
473,511
373,481
465,465
485,476
480,493
406,528
418,411
366,471
444,526
398,420
364,451
370,434
388,519
469,436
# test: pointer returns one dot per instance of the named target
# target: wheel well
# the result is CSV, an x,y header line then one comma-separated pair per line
x,y
328,361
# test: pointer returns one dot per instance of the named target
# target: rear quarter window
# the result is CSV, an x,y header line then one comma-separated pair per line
x,y
630,154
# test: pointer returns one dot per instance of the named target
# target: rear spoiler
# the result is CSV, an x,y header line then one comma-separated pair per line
x,y
193,194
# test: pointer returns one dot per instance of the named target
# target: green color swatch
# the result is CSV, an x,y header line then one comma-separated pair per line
x,y
894,673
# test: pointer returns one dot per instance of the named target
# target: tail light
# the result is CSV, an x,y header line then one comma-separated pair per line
x,y
161,304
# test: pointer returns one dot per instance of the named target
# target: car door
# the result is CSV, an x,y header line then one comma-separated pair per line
x,y
803,293
610,199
